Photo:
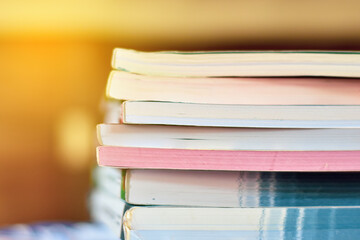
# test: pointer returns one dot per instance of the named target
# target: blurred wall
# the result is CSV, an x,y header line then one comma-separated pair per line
x,y
49,101
55,59
188,24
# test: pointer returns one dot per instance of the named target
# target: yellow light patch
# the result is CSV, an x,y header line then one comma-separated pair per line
x,y
75,138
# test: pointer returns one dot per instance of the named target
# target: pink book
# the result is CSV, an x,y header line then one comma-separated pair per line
x,y
253,91
298,161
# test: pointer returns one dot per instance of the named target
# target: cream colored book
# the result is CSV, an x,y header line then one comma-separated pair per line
x,y
239,63
211,138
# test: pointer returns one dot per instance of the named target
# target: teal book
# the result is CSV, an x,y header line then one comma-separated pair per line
x,y
193,223
320,223
230,188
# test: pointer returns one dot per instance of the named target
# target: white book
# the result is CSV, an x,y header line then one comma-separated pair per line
x,y
239,63
230,115
160,223
234,189
210,138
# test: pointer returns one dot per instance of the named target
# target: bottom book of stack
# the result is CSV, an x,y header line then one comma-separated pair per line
x,y
174,204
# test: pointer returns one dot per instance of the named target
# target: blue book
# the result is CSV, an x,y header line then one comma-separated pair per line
x,y
230,189
320,223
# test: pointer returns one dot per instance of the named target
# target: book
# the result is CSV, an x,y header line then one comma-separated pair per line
x,y
189,159
230,145
212,138
112,111
254,91
108,210
239,63
160,223
231,115
230,188
109,180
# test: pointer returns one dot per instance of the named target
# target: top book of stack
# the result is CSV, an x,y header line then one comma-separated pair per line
x,y
239,63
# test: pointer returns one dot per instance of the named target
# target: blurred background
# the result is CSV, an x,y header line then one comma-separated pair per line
x,y
55,59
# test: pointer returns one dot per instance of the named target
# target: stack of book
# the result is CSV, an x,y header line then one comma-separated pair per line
x,y
230,145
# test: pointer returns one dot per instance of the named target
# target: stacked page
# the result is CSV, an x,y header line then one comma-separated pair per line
x,y
230,145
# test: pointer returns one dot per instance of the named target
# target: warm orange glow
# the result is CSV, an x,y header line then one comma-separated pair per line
x,y
49,100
